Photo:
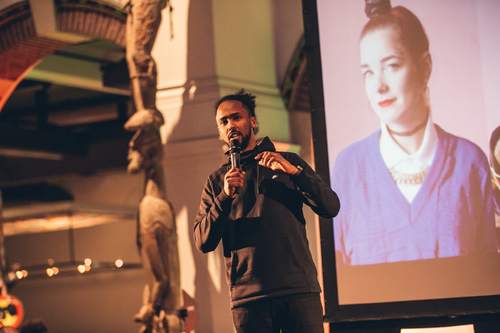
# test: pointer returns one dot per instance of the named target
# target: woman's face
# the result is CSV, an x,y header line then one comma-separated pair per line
x,y
391,82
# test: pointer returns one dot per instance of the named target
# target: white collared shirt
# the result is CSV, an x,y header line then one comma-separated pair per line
x,y
396,159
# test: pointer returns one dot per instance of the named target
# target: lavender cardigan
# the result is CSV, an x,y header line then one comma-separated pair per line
x,y
451,215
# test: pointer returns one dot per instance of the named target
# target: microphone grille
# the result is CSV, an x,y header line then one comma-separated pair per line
x,y
234,145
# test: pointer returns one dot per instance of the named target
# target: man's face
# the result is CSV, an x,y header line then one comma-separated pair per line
x,y
234,122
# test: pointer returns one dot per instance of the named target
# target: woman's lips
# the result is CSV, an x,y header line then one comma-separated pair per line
x,y
386,102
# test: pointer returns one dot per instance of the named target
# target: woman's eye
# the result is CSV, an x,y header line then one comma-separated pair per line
x,y
395,65
366,73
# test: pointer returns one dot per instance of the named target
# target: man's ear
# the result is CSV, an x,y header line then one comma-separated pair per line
x,y
253,122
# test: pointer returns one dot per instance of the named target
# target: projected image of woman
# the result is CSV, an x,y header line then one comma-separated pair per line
x,y
410,190
495,174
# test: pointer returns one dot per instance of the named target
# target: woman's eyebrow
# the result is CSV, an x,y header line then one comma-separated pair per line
x,y
391,57
384,60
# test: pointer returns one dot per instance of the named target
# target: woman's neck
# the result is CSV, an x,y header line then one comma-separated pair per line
x,y
410,139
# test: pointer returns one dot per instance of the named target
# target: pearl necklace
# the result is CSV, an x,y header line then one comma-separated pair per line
x,y
402,178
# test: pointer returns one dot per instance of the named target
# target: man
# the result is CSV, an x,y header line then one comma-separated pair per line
x,y
256,210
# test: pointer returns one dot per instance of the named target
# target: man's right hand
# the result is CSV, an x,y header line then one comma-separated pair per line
x,y
233,180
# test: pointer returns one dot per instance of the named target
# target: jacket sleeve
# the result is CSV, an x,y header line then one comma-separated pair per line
x,y
211,218
317,194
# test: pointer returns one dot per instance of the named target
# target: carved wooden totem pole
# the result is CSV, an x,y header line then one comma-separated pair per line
x,y
156,230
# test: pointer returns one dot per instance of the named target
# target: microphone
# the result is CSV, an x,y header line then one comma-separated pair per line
x,y
234,150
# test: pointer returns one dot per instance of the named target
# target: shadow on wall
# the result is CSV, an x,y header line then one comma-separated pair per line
x,y
186,176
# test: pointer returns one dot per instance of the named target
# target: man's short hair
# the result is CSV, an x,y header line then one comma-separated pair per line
x,y
243,96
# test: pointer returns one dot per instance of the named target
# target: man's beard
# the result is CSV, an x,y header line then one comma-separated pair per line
x,y
245,139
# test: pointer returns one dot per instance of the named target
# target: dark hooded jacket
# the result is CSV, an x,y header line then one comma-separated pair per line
x,y
263,229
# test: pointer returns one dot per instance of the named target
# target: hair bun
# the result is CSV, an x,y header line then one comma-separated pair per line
x,y
377,7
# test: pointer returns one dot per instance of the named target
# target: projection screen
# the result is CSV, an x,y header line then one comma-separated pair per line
x,y
408,131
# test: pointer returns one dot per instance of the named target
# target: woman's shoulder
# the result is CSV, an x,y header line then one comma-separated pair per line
x,y
464,150
359,150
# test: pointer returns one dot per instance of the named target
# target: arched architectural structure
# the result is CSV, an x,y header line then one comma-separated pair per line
x,y
31,30
295,86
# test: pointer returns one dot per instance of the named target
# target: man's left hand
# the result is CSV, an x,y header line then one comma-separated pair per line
x,y
276,162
